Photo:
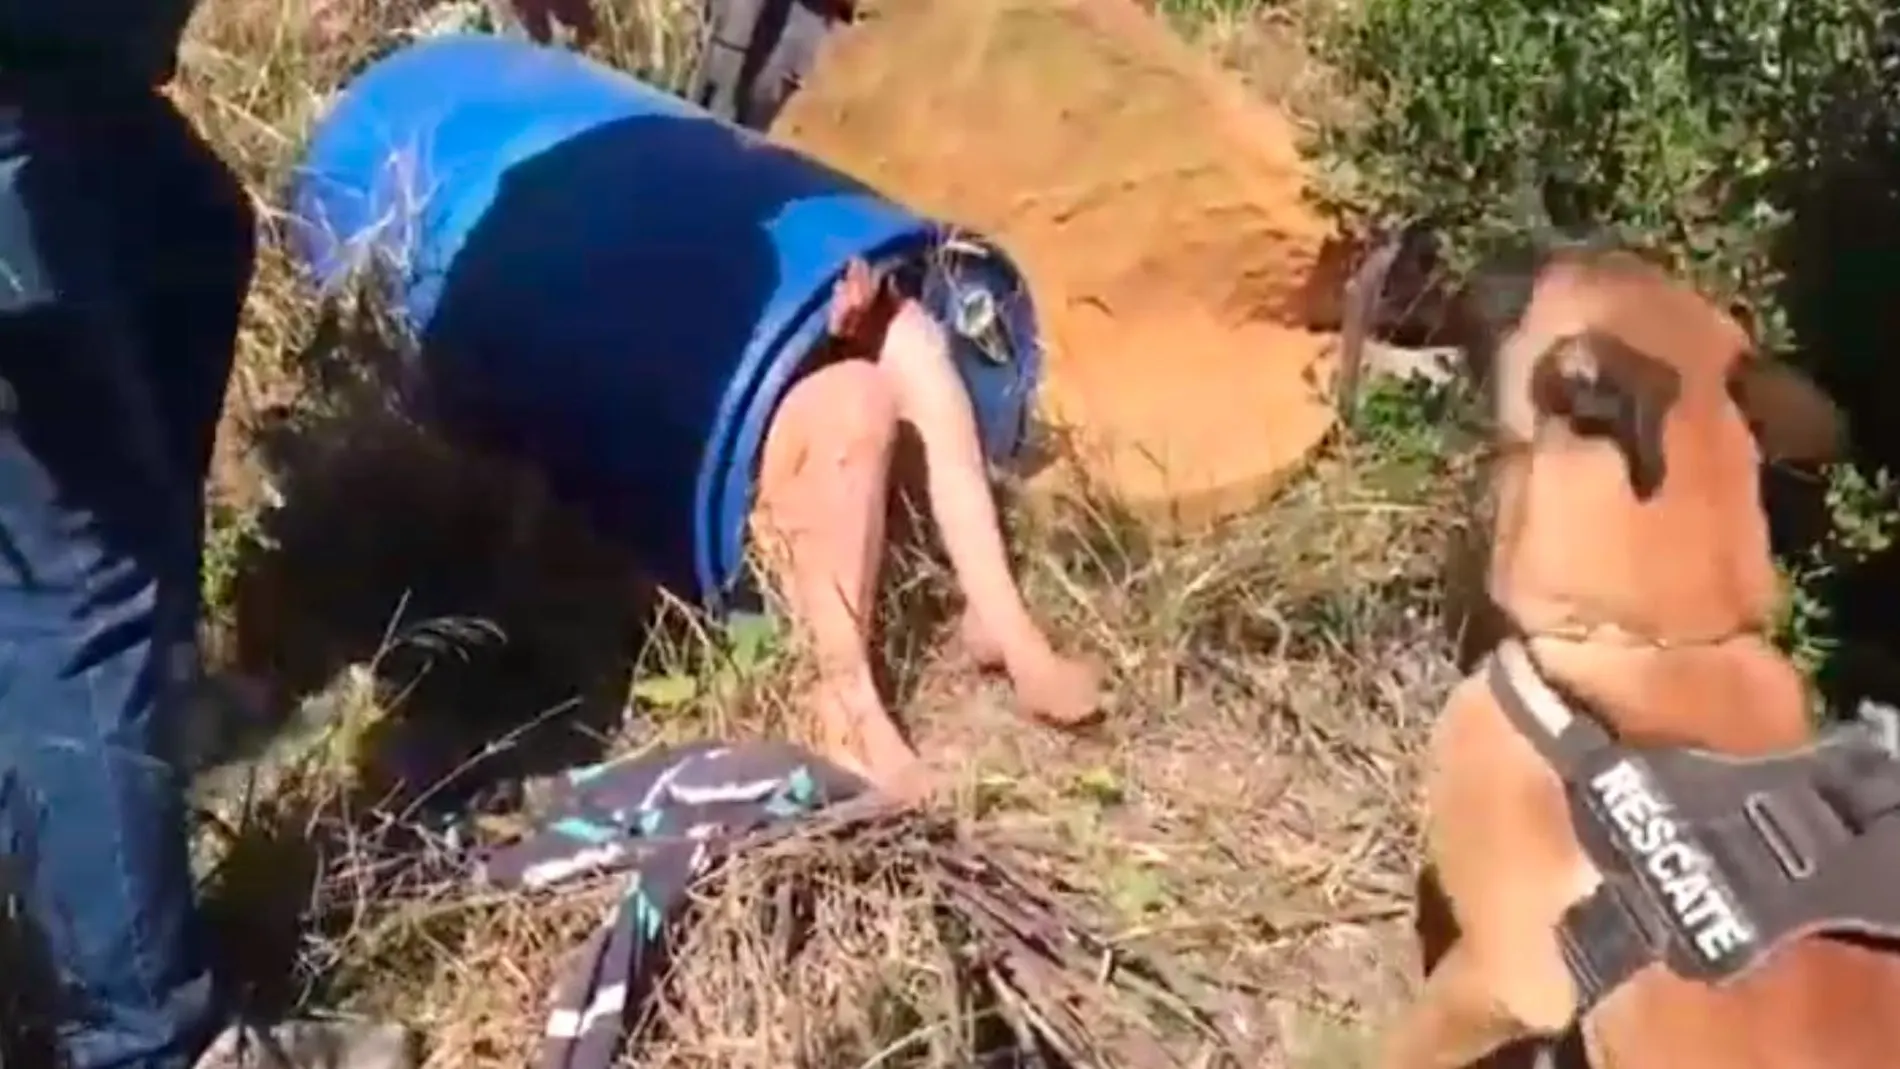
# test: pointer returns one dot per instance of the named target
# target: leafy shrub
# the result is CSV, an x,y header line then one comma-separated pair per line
x,y
1679,124
1699,129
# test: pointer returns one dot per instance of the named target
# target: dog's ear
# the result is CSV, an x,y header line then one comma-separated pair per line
x,y
1602,387
1793,419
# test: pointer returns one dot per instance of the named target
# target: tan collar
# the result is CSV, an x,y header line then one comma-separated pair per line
x,y
1619,637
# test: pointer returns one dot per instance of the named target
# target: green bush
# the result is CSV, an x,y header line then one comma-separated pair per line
x,y
1678,124
1701,130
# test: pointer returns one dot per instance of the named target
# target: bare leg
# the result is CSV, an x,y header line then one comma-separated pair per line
x,y
976,642
823,487
997,625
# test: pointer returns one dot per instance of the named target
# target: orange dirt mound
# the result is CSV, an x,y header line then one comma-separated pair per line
x,y
1158,212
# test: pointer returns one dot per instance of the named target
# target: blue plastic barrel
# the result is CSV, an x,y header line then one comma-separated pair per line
x,y
609,283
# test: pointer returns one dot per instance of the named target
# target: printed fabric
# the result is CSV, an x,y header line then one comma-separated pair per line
x,y
661,818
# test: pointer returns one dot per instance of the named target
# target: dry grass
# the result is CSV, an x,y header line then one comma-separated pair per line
x,y
1245,817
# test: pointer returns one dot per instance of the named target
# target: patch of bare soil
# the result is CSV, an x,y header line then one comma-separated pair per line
x,y
1160,210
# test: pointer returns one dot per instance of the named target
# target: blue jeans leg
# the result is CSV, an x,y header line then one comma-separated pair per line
x,y
124,252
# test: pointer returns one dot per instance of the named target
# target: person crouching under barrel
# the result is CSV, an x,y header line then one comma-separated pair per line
x,y
824,488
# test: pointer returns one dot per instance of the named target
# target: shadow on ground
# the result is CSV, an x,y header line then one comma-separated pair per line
x,y
485,611
426,628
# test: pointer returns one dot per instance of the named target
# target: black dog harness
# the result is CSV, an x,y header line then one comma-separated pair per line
x,y
1710,862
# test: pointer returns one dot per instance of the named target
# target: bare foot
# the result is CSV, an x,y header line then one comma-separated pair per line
x,y
1062,691
976,643
906,781
860,737
845,759
1058,690
895,771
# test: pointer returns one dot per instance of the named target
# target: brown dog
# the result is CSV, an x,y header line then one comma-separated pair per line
x,y
1630,558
